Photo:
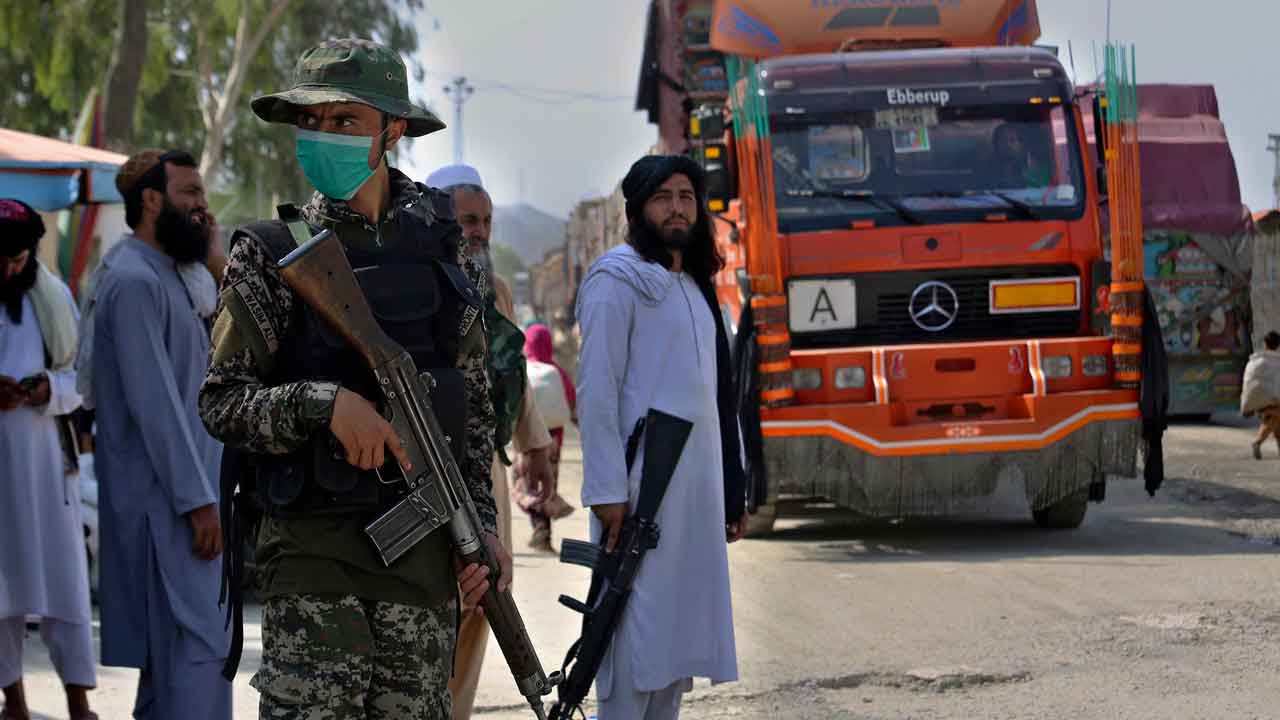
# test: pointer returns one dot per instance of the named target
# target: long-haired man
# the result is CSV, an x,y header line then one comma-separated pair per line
x,y
653,337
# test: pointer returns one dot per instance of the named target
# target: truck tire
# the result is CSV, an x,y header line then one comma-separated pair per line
x,y
1066,514
760,522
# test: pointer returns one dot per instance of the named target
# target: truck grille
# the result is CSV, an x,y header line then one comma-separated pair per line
x,y
884,316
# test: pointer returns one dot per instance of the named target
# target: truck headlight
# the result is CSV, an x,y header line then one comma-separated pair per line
x,y
1095,365
1056,366
850,378
806,378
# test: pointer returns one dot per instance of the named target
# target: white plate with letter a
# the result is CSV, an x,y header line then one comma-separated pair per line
x,y
818,305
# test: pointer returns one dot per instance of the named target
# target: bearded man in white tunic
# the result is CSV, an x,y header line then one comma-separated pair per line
x,y
653,337
42,554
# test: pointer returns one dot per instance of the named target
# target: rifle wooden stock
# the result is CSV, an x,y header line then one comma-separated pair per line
x,y
322,276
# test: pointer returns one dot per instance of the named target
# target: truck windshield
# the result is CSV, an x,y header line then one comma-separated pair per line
x,y
913,165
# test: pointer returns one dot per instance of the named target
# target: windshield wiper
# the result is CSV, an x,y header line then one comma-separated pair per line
x,y
1021,206
1027,210
866,196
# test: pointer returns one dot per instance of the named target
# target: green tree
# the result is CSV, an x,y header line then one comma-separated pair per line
x,y
51,55
204,60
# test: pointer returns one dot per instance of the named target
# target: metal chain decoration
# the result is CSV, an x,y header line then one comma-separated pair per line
x,y
1124,180
764,263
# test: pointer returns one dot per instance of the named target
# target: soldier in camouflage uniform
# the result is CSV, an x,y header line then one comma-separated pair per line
x,y
344,636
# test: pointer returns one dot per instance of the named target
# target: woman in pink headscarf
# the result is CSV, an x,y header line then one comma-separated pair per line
x,y
555,399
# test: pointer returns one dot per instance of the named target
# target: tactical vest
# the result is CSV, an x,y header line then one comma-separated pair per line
x,y
419,295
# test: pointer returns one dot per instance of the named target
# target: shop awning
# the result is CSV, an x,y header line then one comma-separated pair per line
x,y
51,175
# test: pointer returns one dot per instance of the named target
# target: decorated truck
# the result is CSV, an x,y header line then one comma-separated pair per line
x,y
1197,236
910,214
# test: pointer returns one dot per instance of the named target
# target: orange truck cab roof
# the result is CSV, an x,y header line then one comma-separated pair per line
x,y
769,28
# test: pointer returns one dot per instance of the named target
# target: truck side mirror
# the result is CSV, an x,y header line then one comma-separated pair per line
x,y
1100,127
721,184
707,123
707,130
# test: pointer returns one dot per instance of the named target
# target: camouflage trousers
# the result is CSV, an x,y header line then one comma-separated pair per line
x,y
343,658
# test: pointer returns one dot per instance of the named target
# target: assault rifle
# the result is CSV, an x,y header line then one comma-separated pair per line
x,y
614,572
321,275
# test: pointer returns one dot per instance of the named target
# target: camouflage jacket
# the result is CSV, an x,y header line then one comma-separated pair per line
x,y
242,411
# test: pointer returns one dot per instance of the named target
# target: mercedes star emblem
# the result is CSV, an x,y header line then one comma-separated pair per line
x,y
934,306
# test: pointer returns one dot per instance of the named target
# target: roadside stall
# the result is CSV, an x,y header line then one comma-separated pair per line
x,y
54,176
73,187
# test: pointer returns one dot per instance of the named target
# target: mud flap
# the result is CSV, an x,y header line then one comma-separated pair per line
x,y
744,365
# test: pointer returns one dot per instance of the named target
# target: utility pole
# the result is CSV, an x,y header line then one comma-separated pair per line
x,y
1274,149
458,91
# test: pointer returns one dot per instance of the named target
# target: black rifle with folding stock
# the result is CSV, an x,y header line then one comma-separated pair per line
x,y
612,573
437,497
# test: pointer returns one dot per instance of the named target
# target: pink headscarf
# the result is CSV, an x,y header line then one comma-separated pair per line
x,y
537,343
538,347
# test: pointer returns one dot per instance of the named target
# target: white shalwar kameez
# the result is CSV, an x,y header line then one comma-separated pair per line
x,y
648,341
43,570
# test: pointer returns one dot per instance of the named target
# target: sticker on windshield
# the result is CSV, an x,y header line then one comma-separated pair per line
x,y
911,140
909,117
837,152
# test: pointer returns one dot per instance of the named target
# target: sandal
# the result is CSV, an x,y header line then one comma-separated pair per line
x,y
541,540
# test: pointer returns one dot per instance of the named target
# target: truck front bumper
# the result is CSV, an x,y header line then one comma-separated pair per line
x,y
920,441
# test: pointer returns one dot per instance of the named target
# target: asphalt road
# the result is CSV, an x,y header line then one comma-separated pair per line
x,y
1165,607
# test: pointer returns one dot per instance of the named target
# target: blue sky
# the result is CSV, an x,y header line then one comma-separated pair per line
x,y
552,155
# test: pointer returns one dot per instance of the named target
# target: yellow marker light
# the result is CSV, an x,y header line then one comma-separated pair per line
x,y
1037,101
695,126
1025,296
715,205
713,152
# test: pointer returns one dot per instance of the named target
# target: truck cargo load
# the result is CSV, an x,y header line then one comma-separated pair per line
x,y
1196,244
768,28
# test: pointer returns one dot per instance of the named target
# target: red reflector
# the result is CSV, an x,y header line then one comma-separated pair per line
x,y
953,365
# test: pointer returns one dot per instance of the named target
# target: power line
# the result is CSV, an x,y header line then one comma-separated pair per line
x,y
545,95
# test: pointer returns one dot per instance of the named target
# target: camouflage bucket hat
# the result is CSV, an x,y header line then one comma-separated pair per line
x,y
349,70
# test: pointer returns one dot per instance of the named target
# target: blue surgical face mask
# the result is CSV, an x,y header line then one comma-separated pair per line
x,y
336,165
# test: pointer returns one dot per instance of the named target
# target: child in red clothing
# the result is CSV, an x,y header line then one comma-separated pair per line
x,y
538,353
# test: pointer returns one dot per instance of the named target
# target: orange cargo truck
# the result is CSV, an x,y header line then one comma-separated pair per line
x,y
910,215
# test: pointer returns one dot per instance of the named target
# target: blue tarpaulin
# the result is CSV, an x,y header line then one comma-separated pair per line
x,y
52,175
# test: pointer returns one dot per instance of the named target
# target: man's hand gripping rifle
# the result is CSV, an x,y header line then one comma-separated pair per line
x,y
321,275
614,572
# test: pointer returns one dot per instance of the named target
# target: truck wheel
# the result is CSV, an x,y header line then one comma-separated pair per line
x,y
1066,514
760,523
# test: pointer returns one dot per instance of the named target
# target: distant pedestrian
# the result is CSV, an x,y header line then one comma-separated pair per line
x,y
1261,391
553,393
157,466
653,338
516,419
42,554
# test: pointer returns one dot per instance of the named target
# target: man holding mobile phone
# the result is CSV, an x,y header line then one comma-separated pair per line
x,y
161,534
42,556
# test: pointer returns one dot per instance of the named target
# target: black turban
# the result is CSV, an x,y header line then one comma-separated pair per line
x,y
20,227
650,171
